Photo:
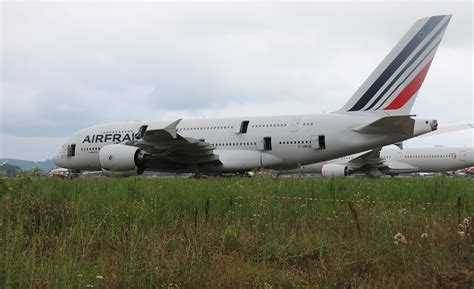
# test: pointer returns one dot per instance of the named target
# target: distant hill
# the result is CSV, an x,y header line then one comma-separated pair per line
x,y
46,165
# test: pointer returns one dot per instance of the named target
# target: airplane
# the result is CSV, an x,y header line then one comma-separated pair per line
x,y
377,114
468,172
62,173
393,161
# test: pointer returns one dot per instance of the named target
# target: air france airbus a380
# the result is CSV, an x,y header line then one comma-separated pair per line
x,y
376,115
394,161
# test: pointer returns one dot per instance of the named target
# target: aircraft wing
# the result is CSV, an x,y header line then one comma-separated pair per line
x,y
370,158
372,164
368,163
166,145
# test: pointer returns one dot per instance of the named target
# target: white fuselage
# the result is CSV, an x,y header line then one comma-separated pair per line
x,y
291,141
410,160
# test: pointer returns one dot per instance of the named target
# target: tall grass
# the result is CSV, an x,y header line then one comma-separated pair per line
x,y
235,232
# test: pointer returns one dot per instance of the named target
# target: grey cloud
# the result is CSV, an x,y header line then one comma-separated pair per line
x,y
69,65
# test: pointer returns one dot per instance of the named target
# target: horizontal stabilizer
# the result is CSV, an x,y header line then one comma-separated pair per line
x,y
402,124
442,129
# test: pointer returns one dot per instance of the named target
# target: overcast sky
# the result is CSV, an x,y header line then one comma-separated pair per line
x,y
66,66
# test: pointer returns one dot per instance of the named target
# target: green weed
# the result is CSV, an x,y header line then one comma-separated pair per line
x,y
235,232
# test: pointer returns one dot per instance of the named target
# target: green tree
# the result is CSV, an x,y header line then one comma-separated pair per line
x,y
35,172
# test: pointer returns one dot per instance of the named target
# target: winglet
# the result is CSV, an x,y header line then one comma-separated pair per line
x,y
171,128
158,132
371,157
399,145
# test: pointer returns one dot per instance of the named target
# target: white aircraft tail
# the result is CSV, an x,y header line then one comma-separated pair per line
x,y
392,87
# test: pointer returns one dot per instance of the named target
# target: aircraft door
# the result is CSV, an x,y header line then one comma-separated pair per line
x,y
267,143
264,143
318,142
236,127
141,132
259,142
241,126
71,150
462,156
294,124
399,156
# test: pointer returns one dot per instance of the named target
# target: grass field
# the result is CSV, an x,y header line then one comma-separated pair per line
x,y
236,232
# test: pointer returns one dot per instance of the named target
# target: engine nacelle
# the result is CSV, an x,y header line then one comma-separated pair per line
x,y
334,170
119,174
121,158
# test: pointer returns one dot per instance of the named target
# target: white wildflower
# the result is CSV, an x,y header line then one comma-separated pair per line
x,y
465,222
99,277
461,230
267,285
399,238
465,227
402,211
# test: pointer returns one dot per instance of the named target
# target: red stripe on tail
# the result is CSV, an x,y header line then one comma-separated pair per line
x,y
410,89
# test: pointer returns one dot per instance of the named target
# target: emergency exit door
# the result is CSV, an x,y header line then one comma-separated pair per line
x,y
264,143
318,142
294,124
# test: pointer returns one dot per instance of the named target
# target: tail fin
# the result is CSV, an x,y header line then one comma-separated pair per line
x,y
392,87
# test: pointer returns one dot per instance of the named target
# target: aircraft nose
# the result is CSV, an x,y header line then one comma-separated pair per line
x,y
57,159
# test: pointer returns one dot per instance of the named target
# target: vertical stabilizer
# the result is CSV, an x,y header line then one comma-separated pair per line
x,y
393,86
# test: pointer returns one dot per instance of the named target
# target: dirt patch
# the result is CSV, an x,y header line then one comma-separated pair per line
x,y
462,279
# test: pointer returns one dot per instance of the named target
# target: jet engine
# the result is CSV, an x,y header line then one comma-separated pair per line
x,y
121,160
334,170
119,174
